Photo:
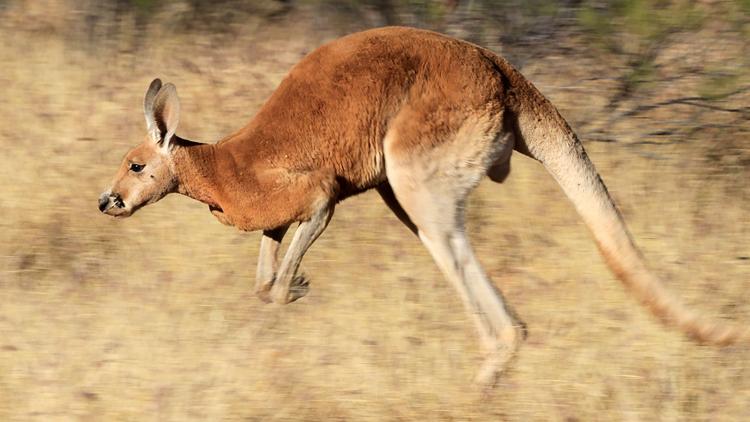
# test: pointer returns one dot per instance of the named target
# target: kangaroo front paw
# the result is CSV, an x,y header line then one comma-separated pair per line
x,y
298,288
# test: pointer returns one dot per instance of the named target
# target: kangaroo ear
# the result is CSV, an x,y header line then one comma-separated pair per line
x,y
148,108
162,110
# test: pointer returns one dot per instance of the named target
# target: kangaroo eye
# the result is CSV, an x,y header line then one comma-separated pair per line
x,y
136,167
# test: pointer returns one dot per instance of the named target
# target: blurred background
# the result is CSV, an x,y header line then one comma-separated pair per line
x,y
153,318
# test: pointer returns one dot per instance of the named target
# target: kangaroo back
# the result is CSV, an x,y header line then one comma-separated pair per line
x,y
544,135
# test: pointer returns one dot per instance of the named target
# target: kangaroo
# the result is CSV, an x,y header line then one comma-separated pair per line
x,y
421,118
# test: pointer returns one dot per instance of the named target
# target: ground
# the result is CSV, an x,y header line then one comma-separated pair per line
x,y
153,318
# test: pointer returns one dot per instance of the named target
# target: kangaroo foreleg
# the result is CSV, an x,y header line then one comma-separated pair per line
x,y
289,287
268,261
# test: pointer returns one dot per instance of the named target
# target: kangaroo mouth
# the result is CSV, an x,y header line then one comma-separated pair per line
x,y
119,212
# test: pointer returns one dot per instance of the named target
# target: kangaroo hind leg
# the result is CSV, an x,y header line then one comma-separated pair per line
x,y
433,191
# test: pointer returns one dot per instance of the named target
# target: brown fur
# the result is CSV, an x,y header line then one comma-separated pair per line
x,y
417,115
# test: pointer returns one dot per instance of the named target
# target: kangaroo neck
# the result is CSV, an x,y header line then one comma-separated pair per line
x,y
195,167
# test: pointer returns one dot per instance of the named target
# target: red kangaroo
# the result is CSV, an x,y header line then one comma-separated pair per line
x,y
419,116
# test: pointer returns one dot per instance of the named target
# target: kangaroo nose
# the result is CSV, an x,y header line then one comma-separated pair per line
x,y
103,202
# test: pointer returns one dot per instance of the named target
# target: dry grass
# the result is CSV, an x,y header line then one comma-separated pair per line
x,y
153,318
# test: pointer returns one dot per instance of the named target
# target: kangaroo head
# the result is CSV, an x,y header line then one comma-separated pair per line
x,y
147,172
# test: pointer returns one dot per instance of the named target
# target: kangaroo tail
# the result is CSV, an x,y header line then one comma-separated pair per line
x,y
542,134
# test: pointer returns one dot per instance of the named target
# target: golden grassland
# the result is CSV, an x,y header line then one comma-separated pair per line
x,y
153,318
